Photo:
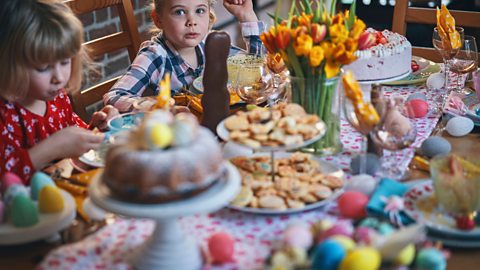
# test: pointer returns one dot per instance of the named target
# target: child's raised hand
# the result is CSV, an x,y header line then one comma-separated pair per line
x,y
100,118
241,9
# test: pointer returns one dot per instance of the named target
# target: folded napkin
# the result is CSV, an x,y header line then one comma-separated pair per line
x,y
379,201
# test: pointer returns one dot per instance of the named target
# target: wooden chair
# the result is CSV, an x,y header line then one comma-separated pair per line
x,y
128,38
403,14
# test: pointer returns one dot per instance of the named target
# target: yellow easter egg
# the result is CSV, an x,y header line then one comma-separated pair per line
x,y
161,135
50,200
406,255
346,242
362,258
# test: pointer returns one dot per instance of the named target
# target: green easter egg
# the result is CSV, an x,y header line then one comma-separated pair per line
x,y
23,212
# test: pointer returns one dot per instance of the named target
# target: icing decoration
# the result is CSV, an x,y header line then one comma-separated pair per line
x,y
393,206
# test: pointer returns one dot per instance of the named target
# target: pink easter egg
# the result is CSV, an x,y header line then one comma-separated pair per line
x,y
352,204
339,228
416,108
298,236
221,247
9,179
365,235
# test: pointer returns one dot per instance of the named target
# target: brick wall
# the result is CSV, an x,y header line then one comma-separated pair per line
x,y
105,21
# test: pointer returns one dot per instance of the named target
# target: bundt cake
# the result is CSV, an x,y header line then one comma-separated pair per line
x,y
166,158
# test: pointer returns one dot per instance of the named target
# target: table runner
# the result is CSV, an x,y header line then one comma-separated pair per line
x,y
254,235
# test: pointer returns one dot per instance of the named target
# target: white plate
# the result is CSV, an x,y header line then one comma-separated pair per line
x,y
48,225
198,84
326,168
224,134
436,219
92,158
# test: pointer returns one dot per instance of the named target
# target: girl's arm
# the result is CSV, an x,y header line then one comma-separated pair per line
x,y
146,69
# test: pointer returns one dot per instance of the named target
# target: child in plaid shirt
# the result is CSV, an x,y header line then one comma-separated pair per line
x,y
179,48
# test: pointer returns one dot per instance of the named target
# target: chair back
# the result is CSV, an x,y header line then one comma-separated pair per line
x,y
128,37
403,14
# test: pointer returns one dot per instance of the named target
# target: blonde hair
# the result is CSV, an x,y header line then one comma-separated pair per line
x,y
35,32
157,8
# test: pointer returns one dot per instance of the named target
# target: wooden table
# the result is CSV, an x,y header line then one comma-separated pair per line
x,y
29,255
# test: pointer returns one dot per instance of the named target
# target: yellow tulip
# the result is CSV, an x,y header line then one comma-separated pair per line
x,y
303,45
332,68
316,56
338,33
357,29
305,19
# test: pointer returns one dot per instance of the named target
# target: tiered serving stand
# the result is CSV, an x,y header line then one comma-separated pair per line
x,y
280,151
168,247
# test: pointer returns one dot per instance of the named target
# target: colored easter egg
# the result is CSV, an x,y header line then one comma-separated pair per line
x,y
385,228
39,180
297,255
161,135
365,235
416,108
372,164
352,204
363,183
339,228
280,260
362,258
328,255
431,259
23,212
9,179
221,247
406,256
435,145
459,126
435,81
50,200
299,236
419,95
183,134
346,242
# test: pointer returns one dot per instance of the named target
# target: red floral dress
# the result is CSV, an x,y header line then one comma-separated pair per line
x,y
21,129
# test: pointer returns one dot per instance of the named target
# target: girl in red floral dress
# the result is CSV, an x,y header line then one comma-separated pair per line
x,y
41,57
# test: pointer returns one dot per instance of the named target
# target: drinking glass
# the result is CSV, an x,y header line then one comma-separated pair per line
x,y
446,52
464,62
393,134
251,79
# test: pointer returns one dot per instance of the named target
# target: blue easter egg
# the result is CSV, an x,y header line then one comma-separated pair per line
x,y
327,255
430,259
39,180
372,164
459,126
435,146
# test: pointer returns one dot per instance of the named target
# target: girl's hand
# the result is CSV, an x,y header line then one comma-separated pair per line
x,y
241,9
68,142
74,141
100,118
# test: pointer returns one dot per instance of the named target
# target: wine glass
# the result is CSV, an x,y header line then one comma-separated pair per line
x,y
394,133
446,51
251,79
464,62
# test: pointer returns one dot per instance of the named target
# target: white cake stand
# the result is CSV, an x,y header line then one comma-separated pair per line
x,y
168,247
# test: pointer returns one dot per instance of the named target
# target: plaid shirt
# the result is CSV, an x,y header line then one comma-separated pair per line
x,y
157,57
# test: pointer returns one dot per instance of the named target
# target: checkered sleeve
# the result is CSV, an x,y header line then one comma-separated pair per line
x,y
146,69
251,35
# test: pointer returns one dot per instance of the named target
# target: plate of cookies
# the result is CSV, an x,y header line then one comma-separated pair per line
x,y
279,128
301,182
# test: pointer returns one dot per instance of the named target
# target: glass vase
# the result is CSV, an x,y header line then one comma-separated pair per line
x,y
319,95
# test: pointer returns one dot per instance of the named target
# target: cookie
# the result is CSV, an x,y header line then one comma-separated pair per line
x,y
244,197
272,202
236,122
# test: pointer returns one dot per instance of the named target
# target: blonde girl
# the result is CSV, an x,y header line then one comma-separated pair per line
x,y
41,58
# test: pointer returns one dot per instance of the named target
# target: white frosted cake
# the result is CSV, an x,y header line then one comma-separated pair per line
x,y
389,58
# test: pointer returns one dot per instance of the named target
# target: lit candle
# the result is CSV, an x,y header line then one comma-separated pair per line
x,y
163,98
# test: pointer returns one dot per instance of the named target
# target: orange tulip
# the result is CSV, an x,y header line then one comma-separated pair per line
x,y
303,45
305,19
357,29
268,41
318,32
282,37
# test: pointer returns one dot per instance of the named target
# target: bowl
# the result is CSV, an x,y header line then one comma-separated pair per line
x,y
456,182
125,121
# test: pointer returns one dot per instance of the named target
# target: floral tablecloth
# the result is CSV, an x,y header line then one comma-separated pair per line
x,y
254,235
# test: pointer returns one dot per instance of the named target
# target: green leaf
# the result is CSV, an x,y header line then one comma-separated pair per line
x,y
290,14
351,15
307,7
333,8
277,9
276,20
